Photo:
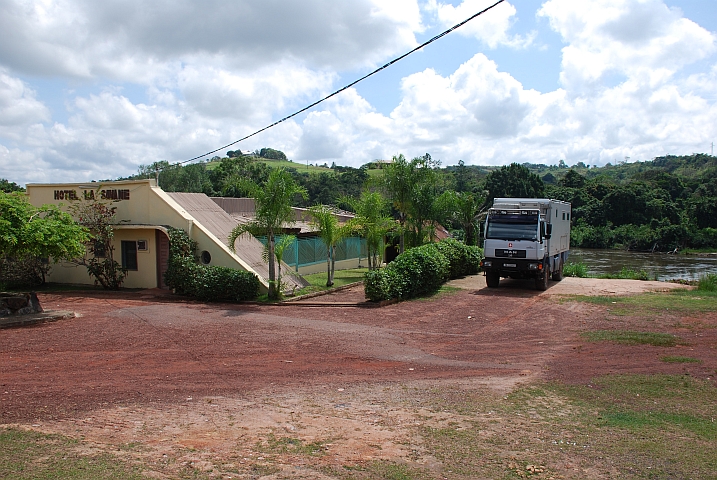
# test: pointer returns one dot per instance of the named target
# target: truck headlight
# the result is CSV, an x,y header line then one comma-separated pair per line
x,y
487,263
533,266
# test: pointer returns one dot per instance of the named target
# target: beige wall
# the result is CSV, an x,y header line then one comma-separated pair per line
x,y
144,277
141,207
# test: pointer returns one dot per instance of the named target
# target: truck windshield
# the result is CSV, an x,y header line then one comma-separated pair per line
x,y
512,226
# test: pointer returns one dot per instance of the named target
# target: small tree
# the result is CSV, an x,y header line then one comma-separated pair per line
x,y
398,176
280,247
98,217
29,233
371,222
273,210
513,180
464,209
413,187
330,233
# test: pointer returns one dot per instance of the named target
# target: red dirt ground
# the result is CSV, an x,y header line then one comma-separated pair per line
x,y
138,349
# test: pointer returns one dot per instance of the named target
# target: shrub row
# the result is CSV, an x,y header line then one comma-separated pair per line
x,y
422,270
206,282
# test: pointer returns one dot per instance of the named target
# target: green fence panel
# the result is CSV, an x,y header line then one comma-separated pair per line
x,y
308,251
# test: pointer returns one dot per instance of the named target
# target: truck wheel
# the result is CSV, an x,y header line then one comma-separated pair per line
x,y
558,274
541,283
492,279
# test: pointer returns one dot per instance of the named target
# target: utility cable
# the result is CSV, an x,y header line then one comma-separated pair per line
x,y
454,27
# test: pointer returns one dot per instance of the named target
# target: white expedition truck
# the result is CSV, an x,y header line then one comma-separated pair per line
x,y
526,238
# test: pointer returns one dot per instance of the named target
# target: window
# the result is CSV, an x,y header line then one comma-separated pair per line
x,y
98,249
142,245
129,254
206,257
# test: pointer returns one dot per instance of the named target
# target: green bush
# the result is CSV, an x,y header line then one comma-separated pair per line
x,y
208,283
215,284
575,270
708,283
422,270
463,259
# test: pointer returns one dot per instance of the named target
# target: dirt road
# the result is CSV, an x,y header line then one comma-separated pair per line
x,y
204,383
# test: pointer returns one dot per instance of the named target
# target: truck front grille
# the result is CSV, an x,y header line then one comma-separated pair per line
x,y
509,253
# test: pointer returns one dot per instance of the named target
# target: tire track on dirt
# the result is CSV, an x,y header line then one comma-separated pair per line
x,y
380,343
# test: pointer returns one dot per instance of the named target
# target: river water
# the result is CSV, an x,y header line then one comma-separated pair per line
x,y
661,265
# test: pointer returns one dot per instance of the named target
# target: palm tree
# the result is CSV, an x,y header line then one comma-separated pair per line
x,y
372,222
280,247
412,187
463,208
330,232
273,211
398,176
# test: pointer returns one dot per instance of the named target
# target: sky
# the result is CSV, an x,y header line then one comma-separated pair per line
x,y
92,90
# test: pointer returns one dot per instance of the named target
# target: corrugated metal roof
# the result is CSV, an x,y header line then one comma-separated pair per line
x,y
243,210
210,215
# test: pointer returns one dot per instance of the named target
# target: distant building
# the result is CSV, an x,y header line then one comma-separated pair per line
x,y
378,164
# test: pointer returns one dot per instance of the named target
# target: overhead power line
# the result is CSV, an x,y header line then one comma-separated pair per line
x,y
458,25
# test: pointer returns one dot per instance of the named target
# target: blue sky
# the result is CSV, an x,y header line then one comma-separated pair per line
x,y
91,90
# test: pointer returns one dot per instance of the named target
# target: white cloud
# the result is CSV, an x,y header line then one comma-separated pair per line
x,y
492,28
636,38
134,40
210,79
18,105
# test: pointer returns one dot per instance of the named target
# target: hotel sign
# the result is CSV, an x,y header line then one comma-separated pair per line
x,y
90,194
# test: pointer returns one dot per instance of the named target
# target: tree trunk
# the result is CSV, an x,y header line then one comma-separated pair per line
x,y
272,273
333,265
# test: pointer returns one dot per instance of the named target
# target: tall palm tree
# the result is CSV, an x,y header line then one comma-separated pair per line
x,y
371,222
273,210
330,232
280,246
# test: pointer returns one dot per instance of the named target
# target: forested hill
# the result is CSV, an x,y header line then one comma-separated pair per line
x,y
666,203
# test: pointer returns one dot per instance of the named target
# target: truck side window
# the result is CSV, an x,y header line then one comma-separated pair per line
x,y
563,215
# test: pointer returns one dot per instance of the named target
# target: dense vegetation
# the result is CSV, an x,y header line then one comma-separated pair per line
x,y
422,270
30,235
659,205
206,282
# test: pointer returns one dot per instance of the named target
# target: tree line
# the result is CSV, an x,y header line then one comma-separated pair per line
x,y
660,205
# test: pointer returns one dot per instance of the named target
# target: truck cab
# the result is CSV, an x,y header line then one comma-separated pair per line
x,y
526,238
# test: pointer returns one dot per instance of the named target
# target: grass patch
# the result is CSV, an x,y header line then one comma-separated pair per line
x,y
678,302
678,359
629,337
442,291
708,283
628,426
629,274
32,455
300,167
317,281
379,470
296,446
638,421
